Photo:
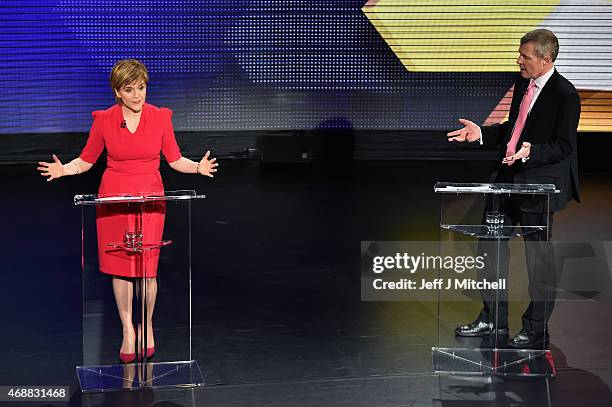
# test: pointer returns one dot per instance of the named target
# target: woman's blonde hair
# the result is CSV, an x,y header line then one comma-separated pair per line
x,y
127,71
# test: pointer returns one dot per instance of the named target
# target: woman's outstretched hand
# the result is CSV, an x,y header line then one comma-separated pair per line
x,y
51,170
207,167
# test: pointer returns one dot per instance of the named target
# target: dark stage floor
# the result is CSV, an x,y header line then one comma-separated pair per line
x,y
277,315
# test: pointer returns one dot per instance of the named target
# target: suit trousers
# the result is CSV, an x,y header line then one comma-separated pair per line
x,y
541,268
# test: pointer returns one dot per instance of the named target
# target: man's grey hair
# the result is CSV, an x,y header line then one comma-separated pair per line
x,y
546,43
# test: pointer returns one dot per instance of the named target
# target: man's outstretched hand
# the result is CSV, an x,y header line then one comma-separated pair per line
x,y
471,132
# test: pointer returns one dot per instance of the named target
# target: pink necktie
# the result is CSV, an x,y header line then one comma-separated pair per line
x,y
520,121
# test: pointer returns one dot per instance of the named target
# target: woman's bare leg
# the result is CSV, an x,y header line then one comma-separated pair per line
x,y
151,298
124,292
151,294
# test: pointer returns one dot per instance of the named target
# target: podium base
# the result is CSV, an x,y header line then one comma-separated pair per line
x,y
502,362
137,376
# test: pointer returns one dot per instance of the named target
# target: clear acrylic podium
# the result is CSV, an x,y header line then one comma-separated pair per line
x,y
172,363
475,224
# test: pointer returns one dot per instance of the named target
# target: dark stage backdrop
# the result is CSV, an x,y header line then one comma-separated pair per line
x,y
232,65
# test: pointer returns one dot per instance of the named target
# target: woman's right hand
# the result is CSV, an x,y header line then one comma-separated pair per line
x,y
51,170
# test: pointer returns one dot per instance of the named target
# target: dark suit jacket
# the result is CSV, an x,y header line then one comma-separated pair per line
x,y
551,129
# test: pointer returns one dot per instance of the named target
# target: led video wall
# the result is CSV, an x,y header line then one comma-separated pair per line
x,y
294,64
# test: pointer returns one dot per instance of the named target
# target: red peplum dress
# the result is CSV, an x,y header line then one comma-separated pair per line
x,y
132,168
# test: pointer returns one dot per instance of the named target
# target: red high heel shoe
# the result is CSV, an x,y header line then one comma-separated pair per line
x,y
126,358
150,353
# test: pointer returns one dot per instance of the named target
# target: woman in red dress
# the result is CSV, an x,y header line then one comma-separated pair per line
x,y
133,133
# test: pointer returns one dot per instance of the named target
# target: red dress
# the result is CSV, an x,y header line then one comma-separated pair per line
x,y
132,168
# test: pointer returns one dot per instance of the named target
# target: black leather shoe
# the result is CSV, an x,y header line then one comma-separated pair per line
x,y
526,339
479,328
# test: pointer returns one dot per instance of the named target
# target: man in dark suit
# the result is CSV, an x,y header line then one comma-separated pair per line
x,y
537,146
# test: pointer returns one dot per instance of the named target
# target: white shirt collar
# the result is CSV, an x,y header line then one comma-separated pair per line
x,y
541,81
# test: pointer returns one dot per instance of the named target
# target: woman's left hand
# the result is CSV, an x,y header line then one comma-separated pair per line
x,y
207,167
